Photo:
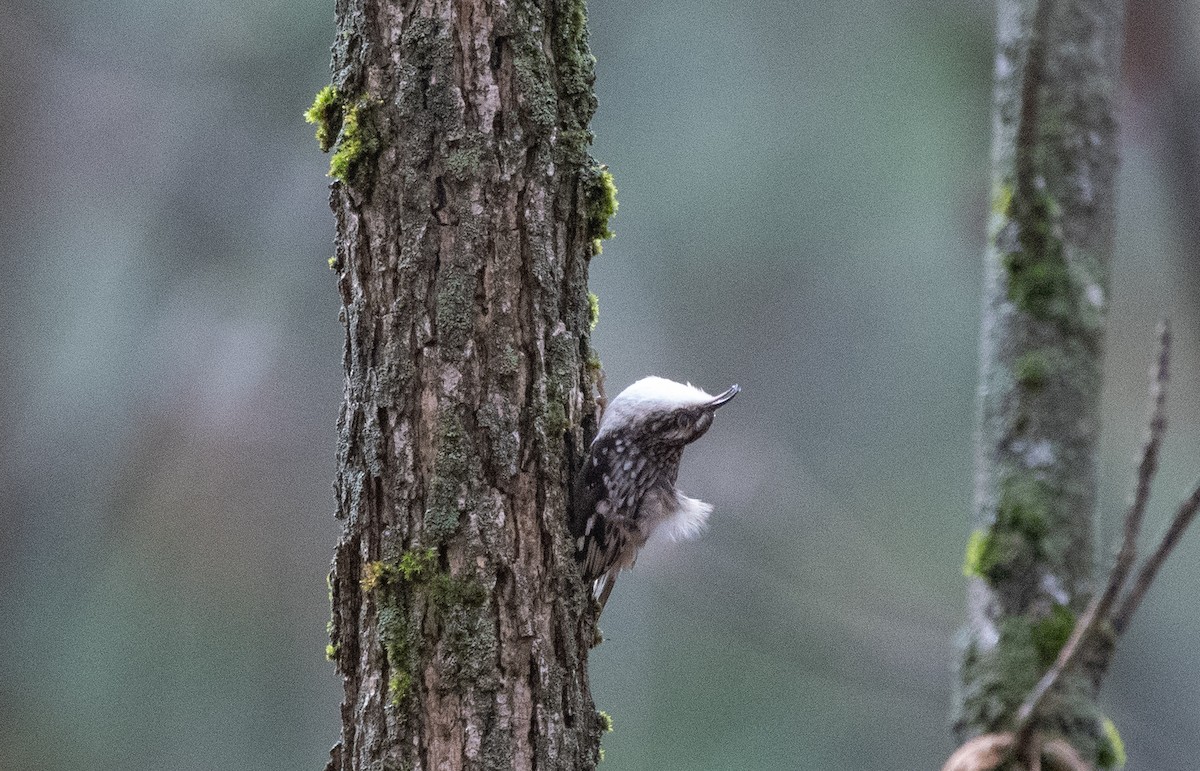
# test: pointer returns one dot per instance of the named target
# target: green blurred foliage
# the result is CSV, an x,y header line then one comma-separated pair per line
x,y
803,190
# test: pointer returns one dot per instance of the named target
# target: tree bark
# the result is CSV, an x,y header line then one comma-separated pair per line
x,y
1046,281
467,211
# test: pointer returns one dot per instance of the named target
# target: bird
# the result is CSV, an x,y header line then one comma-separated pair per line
x,y
625,490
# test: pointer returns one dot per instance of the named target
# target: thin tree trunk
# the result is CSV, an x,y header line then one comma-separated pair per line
x,y
467,209
1051,239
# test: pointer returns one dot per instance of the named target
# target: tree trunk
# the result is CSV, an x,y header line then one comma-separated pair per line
x,y
1050,242
467,210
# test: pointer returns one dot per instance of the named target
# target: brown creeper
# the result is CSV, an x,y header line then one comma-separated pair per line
x,y
626,488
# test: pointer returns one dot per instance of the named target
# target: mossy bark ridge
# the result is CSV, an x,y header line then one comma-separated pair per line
x,y
1030,557
464,231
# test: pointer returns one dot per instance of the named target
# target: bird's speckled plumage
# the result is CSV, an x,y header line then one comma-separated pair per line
x,y
625,490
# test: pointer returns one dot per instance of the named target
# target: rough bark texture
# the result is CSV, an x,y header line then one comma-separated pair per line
x,y
1051,236
467,208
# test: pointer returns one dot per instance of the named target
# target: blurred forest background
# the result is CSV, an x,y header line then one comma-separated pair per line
x,y
803,189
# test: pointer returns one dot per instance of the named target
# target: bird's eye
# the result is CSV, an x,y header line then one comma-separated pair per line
x,y
683,420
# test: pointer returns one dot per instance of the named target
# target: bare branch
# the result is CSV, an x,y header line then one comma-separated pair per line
x,y
1183,518
1149,465
1099,607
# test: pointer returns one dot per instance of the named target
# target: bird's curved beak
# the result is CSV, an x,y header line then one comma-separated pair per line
x,y
724,397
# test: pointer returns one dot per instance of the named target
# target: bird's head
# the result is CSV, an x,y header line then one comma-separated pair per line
x,y
663,411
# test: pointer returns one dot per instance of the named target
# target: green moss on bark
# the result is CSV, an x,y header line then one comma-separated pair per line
x,y
357,143
1112,749
401,639
593,311
1017,539
600,193
978,561
508,363
571,148
1039,279
455,608
326,114
998,679
344,126
1050,634
1032,369
411,566
1024,507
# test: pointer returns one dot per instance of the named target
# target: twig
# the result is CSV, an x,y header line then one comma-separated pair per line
x,y
1183,518
1099,607
1158,428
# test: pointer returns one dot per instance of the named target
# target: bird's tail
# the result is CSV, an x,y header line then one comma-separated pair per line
x,y
604,586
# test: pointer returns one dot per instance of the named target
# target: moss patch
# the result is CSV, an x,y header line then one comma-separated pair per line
x,y
446,591
600,198
1039,279
1018,536
508,362
1032,369
977,561
416,563
1006,554
454,605
412,565
1002,199
400,640
356,144
326,114
1050,634
373,576
997,680
571,148
593,311
344,126
1025,507
1112,748
399,687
